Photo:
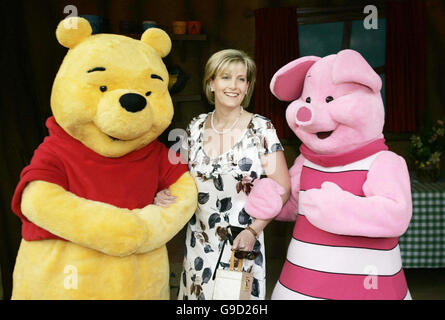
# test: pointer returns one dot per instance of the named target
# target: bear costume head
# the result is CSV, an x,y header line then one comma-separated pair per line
x,y
112,102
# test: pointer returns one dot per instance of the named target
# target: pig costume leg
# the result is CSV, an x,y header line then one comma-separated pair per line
x,y
351,197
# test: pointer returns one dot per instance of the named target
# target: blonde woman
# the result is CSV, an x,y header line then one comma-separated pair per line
x,y
229,151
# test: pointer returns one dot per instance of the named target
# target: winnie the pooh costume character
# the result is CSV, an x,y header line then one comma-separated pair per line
x,y
90,230
351,196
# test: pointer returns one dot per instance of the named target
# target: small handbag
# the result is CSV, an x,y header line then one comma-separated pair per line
x,y
233,284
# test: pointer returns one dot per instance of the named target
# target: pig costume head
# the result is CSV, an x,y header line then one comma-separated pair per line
x,y
336,102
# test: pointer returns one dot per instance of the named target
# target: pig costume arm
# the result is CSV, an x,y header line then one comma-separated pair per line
x,y
385,211
287,84
264,201
290,209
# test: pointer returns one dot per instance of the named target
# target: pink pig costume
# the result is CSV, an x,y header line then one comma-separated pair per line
x,y
351,197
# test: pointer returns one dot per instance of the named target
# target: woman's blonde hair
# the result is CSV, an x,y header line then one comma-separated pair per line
x,y
219,61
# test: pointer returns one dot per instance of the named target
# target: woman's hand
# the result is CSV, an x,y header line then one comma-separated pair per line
x,y
245,241
163,198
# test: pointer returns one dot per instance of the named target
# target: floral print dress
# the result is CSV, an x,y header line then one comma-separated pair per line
x,y
223,186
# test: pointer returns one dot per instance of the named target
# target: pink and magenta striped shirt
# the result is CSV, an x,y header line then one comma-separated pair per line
x,y
325,265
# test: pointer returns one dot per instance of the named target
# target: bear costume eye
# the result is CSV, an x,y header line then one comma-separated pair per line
x,y
155,76
103,88
148,93
308,99
96,69
329,99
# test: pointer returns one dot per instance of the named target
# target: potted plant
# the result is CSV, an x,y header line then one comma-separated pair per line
x,y
425,149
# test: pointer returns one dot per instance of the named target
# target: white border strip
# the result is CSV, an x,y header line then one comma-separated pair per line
x,y
280,292
345,260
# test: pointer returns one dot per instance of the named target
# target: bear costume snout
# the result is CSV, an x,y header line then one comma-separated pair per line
x,y
132,102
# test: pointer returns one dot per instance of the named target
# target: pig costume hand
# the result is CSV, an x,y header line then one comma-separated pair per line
x,y
350,197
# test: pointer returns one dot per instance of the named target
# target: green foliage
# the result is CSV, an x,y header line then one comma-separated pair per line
x,y
427,147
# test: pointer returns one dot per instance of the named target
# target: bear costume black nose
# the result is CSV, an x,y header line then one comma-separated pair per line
x,y
132,102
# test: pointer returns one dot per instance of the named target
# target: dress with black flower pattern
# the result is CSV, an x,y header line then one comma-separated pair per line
x,y
223,186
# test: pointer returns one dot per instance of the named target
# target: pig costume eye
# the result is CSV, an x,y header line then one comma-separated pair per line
x,y
328,99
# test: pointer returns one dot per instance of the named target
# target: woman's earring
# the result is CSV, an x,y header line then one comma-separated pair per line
x,y
211,89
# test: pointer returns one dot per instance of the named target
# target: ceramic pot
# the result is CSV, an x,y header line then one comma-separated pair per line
x,y
179,27
193,27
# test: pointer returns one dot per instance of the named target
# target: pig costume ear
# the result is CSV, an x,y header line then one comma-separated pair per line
x,y
287,82
350,66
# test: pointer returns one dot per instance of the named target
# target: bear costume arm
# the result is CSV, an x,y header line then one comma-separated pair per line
x,y
96,225
384,211
164,223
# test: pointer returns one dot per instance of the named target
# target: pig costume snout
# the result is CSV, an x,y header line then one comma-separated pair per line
x,y
304,115
326,111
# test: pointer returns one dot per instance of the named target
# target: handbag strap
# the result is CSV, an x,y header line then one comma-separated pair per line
x,y
219,258
232,262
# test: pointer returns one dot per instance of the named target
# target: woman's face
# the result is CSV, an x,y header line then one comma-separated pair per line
x,y
230,85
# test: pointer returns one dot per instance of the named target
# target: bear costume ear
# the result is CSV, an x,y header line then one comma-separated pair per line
x,y
71,31
287,82
157,39
350,66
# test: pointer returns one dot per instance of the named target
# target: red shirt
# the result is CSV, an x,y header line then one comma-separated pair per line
x,y
130,181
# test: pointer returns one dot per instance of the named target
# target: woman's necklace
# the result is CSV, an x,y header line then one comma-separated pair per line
x,y
231,127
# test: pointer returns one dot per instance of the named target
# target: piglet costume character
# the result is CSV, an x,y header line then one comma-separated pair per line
x,y
351,197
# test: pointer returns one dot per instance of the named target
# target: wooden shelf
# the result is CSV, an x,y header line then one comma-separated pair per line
x,y
181,42
188,37
186,98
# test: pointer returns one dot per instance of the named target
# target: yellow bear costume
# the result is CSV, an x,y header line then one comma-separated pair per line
x,y
110,102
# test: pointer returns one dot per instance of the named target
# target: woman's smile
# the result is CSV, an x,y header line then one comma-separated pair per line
x,y
231,94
